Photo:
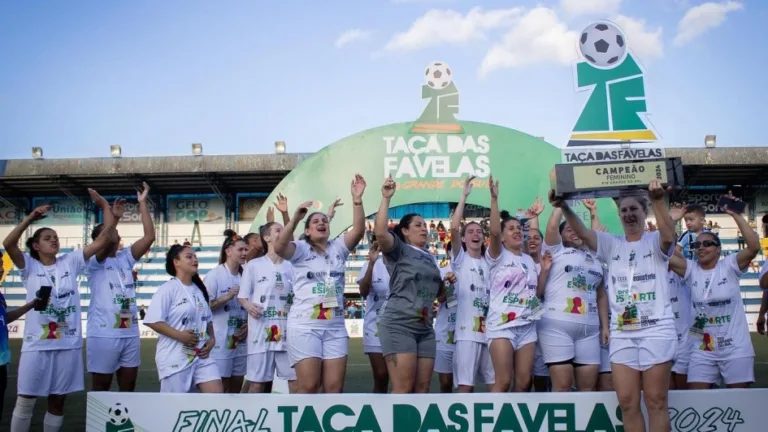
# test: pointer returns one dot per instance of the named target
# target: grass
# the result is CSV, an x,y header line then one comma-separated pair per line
x,y
358,381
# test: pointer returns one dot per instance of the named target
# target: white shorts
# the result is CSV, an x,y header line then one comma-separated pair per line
x,y
45,373
563,341
681,363
235,366
444,361
262,367
106,355
734,371
642,354
372,349
540,368
472,360
323,344
605,359
186,380
519,336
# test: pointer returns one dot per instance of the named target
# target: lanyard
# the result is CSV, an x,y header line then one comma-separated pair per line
x,y
706,293
120,278
631,279
54,285
192,299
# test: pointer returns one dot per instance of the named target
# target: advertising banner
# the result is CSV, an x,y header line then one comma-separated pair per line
x,y
64,211
707,200
761,202
8,214
132,212
728,410
248,207
189,210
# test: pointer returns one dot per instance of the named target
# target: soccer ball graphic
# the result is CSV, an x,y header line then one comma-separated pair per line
x,y
438,75
118,414
603,45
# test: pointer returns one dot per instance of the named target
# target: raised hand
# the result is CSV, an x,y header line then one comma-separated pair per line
x,y
302,210
332,208
535,209
39,213
388,188
142,196
270,214
493,187
468,186
118,208
546,261
282,203
656,191
556,201
97,199
358,187
590,204
677,211
373,252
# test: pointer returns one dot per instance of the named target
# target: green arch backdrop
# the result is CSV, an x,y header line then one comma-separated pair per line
x,y
428,167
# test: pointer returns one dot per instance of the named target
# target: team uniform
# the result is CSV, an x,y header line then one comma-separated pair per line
x,y
229,352
569,330
540,368
269,286
722,345
514,307
113,325
445,329
316,317
642,323
375,299
183,308
472,290
680,296
51,355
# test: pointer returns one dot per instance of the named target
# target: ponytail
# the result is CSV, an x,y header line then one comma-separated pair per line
x,y
199,282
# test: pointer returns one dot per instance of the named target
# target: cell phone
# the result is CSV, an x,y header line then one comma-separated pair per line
x,y
733,205
45,295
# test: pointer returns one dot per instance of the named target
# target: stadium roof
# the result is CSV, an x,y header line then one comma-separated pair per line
x,y
261,173
165,175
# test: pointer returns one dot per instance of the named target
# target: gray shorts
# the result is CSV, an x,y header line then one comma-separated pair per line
x,y
407,339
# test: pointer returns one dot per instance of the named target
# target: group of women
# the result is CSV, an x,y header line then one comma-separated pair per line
x,y
573,303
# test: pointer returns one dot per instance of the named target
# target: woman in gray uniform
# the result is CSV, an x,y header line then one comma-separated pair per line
x,y
405,321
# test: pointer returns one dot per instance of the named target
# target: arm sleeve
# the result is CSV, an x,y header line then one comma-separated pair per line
x,y
606,243
246,284
159,307
212,284
302,250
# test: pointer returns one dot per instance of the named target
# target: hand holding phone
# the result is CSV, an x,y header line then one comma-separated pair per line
x,y
45,296
732,204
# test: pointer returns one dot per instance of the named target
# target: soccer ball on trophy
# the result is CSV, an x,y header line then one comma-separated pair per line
x,y
438,75
603,45
118,414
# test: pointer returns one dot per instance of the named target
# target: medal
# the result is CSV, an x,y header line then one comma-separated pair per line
x,y
330,300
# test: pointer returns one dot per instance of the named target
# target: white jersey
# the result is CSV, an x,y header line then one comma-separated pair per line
x,y
183,308
513,301
374,300
472,293
228,318
58,327
571,291
637,286
680,297
269,286
112,310
719,310
315,278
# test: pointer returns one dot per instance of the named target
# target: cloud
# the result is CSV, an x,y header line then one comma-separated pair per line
x,y
351,35
647,43
590,7
438,27
702,18
537,37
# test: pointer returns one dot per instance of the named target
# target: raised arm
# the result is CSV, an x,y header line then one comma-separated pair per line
x,y
118,210
282,206
105,237
353,236
751,240
332,209
381,225
678,265
284,246
677,212
366,282
532,214
588,236
552,235
667,234
142,245
591,205
494,225
458,214
11,242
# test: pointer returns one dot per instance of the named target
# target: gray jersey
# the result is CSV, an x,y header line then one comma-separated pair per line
x,y
415,281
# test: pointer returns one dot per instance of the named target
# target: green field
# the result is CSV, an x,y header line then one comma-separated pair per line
x,y
358,381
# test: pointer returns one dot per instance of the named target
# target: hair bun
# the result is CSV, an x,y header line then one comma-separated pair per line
x,y
505,214
229,233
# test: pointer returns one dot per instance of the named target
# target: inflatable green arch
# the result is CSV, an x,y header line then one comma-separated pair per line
x,y
429,167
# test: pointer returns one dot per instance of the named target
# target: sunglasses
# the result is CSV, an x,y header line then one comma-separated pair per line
x,y
705,243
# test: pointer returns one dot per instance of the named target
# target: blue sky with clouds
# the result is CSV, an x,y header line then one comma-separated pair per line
x,y
238,75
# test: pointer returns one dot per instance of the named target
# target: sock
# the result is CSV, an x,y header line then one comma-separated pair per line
x,y
22,414
52,423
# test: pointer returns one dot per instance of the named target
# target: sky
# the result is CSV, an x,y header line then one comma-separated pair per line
x,y
238,75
